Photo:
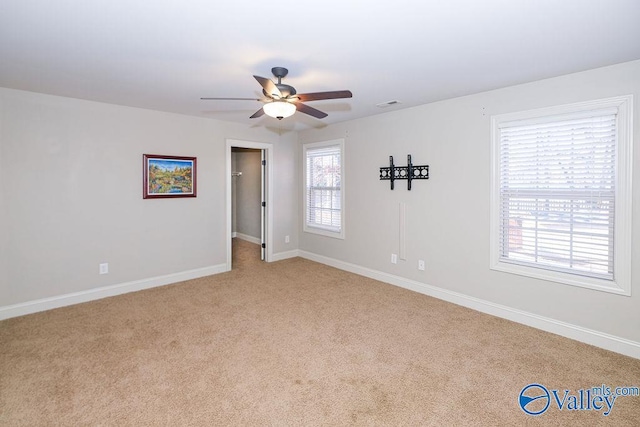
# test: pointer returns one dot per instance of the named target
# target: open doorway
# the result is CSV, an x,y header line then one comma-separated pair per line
x,y
248,202
247,205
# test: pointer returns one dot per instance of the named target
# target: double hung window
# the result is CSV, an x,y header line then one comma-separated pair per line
x,y
324,194
561,194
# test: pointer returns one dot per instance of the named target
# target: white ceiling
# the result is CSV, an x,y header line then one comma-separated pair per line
x,y
166,54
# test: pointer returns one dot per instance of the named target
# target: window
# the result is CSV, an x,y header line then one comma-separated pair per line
x,y
561,194
324,195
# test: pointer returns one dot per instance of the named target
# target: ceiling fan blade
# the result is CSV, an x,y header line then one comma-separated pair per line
x,y
303,108
231,99
257,114
269,87
316,96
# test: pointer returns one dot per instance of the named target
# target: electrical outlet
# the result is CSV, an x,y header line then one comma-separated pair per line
x,y
286,239
394,259
420,264
104,268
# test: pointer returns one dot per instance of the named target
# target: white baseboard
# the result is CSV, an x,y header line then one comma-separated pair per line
x,y
234,234
568,330
589,336
248,238
35,306
285,255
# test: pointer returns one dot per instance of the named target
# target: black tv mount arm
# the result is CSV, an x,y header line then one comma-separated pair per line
x,y
409,172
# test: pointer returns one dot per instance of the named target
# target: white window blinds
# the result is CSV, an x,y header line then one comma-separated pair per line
x,y
323,188
557,178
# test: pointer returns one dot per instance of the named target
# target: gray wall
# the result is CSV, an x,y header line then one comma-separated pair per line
x,y
448,215
4,218
247,192
71,194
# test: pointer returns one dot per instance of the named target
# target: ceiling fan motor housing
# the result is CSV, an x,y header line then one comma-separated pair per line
x,y
285,90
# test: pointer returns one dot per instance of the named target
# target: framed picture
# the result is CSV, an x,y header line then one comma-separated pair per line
x,y
168,176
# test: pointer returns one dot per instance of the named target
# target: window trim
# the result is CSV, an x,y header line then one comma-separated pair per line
x,y
318,229
621,283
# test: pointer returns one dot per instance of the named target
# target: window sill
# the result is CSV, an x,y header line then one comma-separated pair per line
x,y
324,232
609,286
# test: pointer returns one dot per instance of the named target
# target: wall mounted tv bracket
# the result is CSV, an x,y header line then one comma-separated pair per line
x,y
409,172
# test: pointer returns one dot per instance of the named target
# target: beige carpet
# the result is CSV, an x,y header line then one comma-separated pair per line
x,y
291,343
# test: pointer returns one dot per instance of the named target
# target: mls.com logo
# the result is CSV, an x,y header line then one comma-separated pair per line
x,y
534,399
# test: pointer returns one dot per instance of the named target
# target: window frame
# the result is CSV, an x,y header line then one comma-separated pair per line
x,y
314,229
621,282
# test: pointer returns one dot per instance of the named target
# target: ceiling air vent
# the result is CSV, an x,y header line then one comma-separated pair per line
x,y
388,103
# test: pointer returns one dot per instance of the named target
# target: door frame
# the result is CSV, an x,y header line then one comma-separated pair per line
x,y
268,188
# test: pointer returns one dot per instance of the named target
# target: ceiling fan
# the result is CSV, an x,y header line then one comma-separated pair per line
x,y
282,100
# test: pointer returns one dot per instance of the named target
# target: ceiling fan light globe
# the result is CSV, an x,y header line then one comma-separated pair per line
x,y
279,109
